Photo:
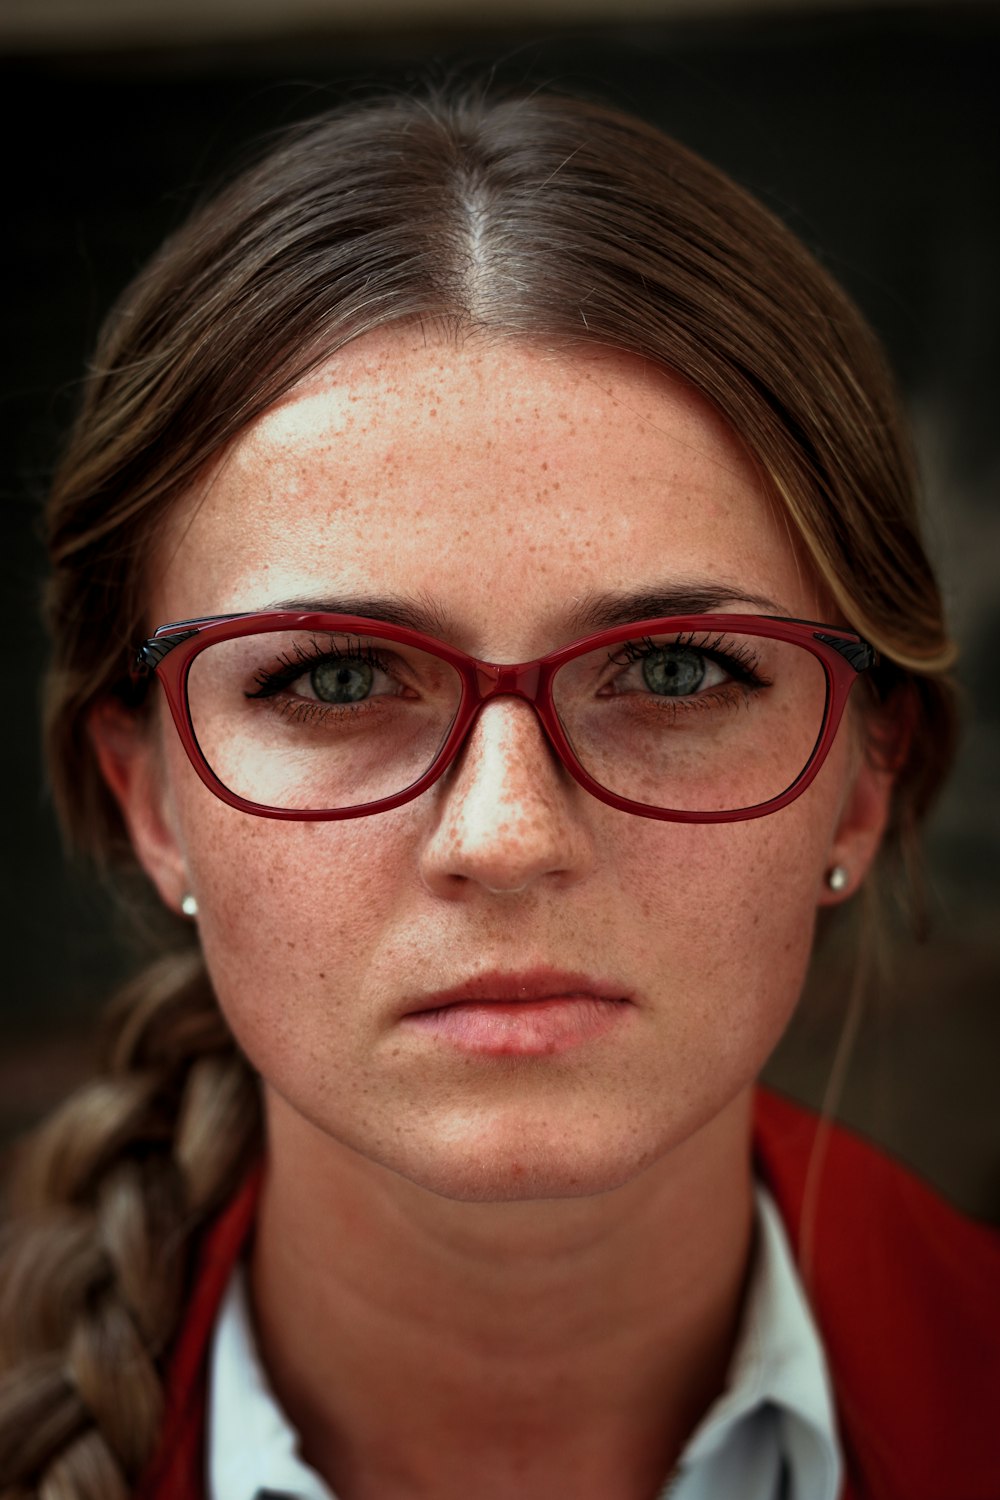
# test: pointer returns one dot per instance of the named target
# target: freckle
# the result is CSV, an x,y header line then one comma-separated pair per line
x,y
322,974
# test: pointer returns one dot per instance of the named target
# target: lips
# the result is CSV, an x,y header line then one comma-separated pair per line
x,y
527,987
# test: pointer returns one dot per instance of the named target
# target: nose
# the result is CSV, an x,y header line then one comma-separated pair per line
x,y
508,811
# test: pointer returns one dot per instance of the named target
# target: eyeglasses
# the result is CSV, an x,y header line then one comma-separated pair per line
x,y
696,719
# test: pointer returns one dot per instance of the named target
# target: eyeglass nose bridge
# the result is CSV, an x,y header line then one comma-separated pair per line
x,y
494,679
509,680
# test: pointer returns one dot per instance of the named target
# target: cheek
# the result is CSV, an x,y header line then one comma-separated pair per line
x,y
727,914
290,915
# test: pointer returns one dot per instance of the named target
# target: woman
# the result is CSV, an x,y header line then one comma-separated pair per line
x,y
464,475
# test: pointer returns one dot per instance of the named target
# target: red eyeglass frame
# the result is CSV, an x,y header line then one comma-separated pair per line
x,y
170,651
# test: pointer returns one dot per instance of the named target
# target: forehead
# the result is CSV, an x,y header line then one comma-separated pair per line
x,y
503,481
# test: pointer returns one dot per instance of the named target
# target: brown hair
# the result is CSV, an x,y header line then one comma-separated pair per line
x,y
525,216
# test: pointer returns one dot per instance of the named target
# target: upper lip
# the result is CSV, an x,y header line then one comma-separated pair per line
x,y
540,983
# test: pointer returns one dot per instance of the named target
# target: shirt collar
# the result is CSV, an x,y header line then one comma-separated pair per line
x,y
252,1447
778,1361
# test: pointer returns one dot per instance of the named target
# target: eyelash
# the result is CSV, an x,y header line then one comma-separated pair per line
x,y
274,680
740,661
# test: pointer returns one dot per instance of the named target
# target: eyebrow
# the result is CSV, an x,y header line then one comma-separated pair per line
x,y
587,612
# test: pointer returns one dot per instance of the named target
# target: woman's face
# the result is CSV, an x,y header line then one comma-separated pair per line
x,y
502,483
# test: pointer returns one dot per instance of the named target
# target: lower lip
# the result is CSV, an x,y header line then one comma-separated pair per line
x,y
529,1028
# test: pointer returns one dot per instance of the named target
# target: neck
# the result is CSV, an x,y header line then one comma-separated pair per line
x,y
566,1345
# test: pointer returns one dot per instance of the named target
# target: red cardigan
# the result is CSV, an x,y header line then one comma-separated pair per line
x,y
906,1293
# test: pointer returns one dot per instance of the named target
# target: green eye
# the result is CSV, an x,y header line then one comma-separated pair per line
x,y
674,671
341,681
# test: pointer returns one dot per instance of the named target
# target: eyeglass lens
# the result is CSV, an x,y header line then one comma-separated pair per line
x,y
692,722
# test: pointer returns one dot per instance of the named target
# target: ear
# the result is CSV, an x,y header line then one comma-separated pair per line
x,y
128,753
863,817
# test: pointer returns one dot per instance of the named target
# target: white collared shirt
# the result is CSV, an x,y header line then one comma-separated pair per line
x,y
770,1435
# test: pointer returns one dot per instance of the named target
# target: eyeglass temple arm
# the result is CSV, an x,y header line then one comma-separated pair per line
x,y
151,653
860,655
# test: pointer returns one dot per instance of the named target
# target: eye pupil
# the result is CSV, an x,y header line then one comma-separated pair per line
x,y
341,682
674,671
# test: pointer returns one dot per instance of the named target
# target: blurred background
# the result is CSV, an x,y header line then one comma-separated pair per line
x,y
872,130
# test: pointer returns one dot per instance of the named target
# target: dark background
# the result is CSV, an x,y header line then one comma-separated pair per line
x,y
874,133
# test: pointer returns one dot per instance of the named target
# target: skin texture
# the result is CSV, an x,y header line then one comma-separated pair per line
x,y
459,1258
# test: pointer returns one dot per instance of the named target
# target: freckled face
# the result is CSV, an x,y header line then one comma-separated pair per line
x,y
503,483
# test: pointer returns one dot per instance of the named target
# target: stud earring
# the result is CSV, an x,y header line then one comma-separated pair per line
x,y
189,906
837,878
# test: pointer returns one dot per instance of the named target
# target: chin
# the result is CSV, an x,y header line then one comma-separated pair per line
x,y
528,1166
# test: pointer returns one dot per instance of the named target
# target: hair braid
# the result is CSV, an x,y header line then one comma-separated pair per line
x,y
110,1196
